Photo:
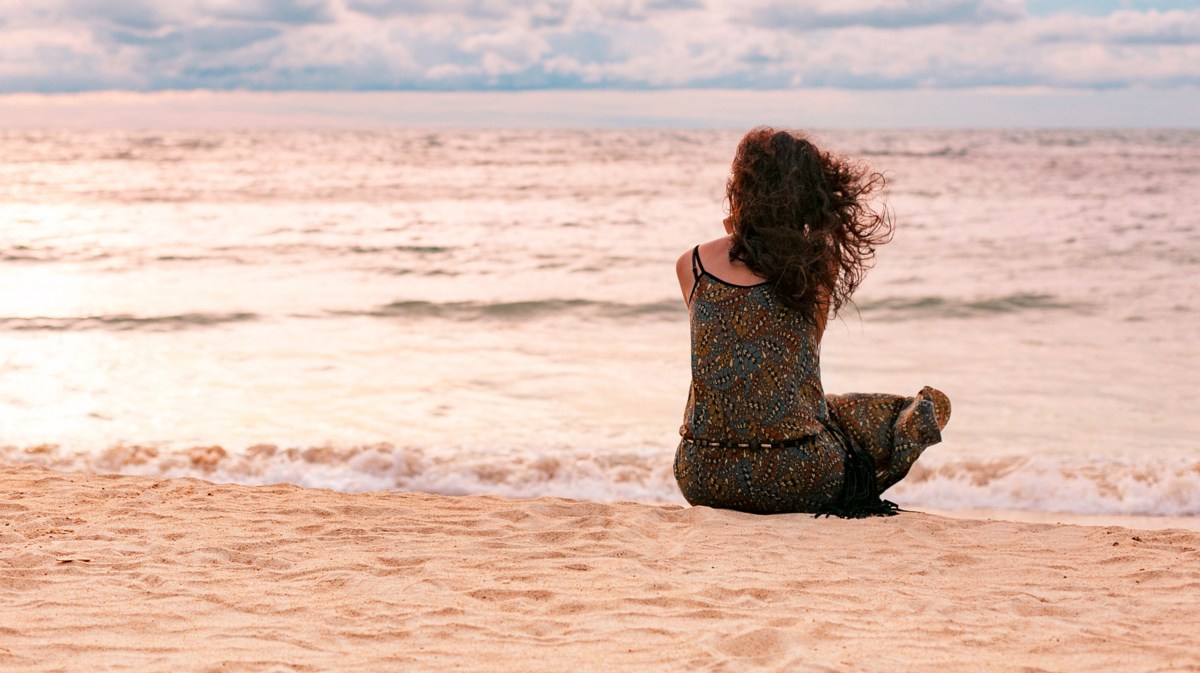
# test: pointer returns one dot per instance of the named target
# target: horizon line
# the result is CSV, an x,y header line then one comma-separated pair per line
x,y
816,107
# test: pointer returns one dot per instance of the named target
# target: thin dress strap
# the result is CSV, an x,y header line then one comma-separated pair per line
x,y
697,271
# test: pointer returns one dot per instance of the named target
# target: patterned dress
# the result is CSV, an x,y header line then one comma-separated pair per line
x,y
759,433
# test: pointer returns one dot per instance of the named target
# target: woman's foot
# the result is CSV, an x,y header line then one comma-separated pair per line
x,y
941,405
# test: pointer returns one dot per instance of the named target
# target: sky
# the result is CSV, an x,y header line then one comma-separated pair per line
x,y
639,62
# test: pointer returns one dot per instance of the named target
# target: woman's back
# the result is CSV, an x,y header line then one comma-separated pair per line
x,y
756,373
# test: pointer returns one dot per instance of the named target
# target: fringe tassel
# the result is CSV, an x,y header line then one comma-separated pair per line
x,y
860,490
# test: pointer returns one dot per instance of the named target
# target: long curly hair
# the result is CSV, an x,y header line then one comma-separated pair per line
x,y
801,218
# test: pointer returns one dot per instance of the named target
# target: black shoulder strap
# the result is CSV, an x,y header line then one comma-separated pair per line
x,y
697,271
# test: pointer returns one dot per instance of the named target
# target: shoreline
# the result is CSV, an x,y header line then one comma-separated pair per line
x,y
144,573
217,464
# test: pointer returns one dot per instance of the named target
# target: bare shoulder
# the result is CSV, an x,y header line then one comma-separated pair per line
x,y
684,264
714,257
716,249
709,250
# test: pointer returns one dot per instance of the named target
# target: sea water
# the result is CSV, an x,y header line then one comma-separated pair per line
x,y
497,311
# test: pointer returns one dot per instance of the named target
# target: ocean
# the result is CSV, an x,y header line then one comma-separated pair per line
x,y
496,312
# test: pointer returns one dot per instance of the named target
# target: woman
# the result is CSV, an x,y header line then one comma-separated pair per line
x,y
759,433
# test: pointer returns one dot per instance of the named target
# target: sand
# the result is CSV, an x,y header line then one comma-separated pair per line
x,y
148,574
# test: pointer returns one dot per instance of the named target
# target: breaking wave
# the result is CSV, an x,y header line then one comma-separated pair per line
x,y
602,476
1145,486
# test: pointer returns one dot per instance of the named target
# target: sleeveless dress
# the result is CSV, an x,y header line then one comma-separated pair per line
x,y
760,434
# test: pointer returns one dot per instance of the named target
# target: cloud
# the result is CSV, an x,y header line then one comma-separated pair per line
x,y
482,9
881,13
296,12
76,45
203,39
138,14
1175,27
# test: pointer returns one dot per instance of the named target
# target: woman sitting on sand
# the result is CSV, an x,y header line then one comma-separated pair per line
x,y
759,433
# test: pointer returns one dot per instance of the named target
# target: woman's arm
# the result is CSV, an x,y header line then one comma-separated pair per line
x,y
687,278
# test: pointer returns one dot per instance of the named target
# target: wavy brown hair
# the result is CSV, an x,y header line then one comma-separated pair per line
x,y
802,220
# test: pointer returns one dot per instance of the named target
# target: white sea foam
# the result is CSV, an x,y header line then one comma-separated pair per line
x,y
1159,486
640,475
1148,485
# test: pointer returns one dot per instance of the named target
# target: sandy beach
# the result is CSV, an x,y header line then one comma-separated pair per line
x,y
149,574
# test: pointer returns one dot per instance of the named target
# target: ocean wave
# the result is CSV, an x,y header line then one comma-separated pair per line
x,y
1150,486
1141,486
454,311
522,310
24,253
911,308
944,151
601,476
376,249
67,253
123,322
